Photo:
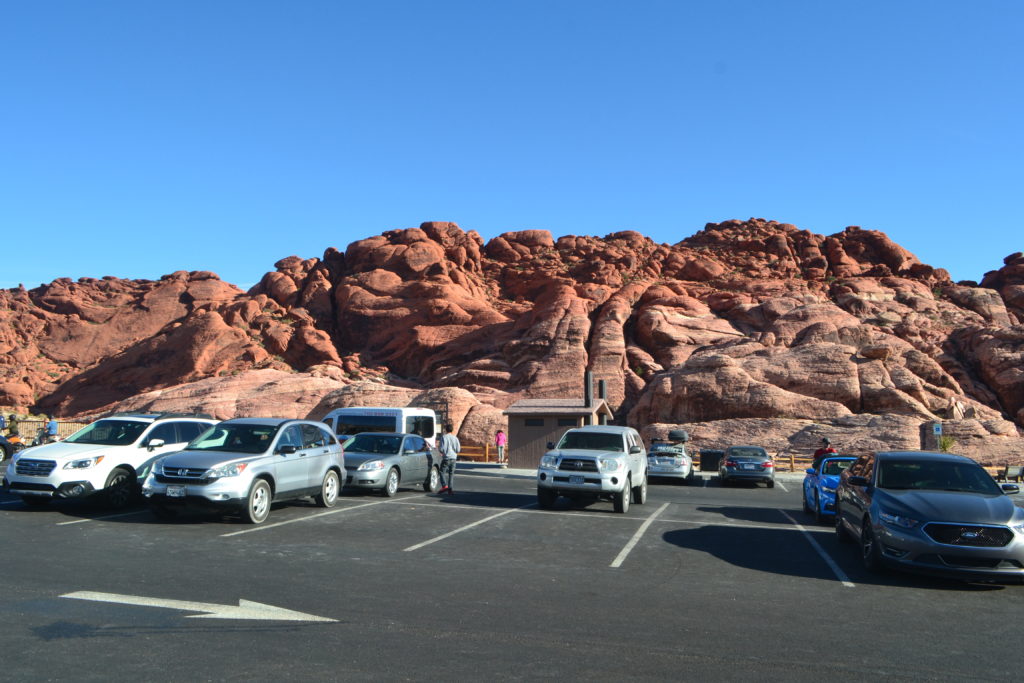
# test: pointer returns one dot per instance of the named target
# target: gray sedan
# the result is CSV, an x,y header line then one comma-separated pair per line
x,y
931,512
746,463
385,460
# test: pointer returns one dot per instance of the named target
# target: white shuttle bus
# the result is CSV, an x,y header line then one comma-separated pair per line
x,y
349,421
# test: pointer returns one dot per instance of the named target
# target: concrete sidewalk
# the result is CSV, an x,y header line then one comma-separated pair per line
x,y
490,469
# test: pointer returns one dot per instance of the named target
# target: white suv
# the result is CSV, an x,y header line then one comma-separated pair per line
x,y
600,461
109,457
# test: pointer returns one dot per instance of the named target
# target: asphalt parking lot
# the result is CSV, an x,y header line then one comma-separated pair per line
x,y
702,582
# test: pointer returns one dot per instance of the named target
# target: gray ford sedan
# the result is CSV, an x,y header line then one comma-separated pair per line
x,y
934,513
386,460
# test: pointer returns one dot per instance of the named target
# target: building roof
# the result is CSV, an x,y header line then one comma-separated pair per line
x,y
557,406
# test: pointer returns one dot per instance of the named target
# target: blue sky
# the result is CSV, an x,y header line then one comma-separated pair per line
x,y
139,137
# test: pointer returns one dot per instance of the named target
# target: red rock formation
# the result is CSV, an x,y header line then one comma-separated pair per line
x,y
745,319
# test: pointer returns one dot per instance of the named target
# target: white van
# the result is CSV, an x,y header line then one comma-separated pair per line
x,y
348,421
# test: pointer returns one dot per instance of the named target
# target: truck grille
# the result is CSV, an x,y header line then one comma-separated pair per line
x,y
969,534
578,465
35,468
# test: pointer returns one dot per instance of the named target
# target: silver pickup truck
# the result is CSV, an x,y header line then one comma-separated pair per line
x,y
600,461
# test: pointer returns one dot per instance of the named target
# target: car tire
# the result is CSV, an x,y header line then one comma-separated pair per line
x,y
690,478
546,499
803,499
842,535
257,504
391,482
36,501
870,553
622,498
119,489
819,516
329,490
771,483
6,452
640,492
433,481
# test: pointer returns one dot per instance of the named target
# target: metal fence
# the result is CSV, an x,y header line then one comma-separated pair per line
x,y
28,429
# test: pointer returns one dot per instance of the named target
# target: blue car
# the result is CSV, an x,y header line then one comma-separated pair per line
x,y
820,486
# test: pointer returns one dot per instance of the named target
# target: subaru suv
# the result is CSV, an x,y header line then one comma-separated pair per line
x,y
245,464
106,458
598,461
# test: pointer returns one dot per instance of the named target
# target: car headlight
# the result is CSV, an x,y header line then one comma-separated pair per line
x,y
609,464
84,463
371,465
230,470
1019,527
897,520
549,461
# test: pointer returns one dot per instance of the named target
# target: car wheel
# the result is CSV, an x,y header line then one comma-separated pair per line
x,y
803,499
771,483
819,516
689,478
640,492
390,483
35,501
329,490
622,498
5,452
433,482
546,498
257,505
871,554
120,488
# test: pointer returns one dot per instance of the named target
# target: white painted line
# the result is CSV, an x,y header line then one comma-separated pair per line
x,y
335,511
617,562
464,528
98,519
840,574
781,486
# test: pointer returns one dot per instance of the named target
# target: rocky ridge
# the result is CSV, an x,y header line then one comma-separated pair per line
x,y
745,320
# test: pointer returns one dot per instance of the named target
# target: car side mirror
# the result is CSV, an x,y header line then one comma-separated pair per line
x,y
809,470
1010,488
635,449
287,449
858,481
154,443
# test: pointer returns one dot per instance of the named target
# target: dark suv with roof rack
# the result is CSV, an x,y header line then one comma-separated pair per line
x,y
108,457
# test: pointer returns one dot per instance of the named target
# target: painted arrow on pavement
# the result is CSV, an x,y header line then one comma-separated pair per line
x,y
246,609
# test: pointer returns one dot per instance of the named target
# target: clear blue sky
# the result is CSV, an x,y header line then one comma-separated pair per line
x,y
140,137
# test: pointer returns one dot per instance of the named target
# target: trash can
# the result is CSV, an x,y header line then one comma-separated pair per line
x,y
710,459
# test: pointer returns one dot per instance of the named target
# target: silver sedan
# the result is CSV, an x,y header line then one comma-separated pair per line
x,y
384,461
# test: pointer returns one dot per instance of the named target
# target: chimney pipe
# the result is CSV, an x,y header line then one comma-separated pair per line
x,y
602,389
588,388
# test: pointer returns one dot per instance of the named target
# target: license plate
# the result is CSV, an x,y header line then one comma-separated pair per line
x,y
748,466
176,491
576,479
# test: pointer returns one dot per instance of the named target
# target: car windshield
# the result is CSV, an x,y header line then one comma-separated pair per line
x,y
109,433
835,466
371,443
935,476
235,438
591,441
747,452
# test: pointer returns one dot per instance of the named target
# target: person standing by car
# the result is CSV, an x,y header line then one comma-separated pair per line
x,y
449,447
500,440
51,430
825,450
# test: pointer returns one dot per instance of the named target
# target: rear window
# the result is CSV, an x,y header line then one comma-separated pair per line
x,y
747,452
356,424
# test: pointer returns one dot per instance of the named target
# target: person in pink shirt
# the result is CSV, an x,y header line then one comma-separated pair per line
x,y
500,440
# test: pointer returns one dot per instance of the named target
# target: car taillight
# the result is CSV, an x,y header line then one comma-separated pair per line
x,y
768,463
730,463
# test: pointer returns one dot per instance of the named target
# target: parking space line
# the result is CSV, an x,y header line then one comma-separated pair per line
x,y
840,574
99,519
782,486
335,511
464,528
624,553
